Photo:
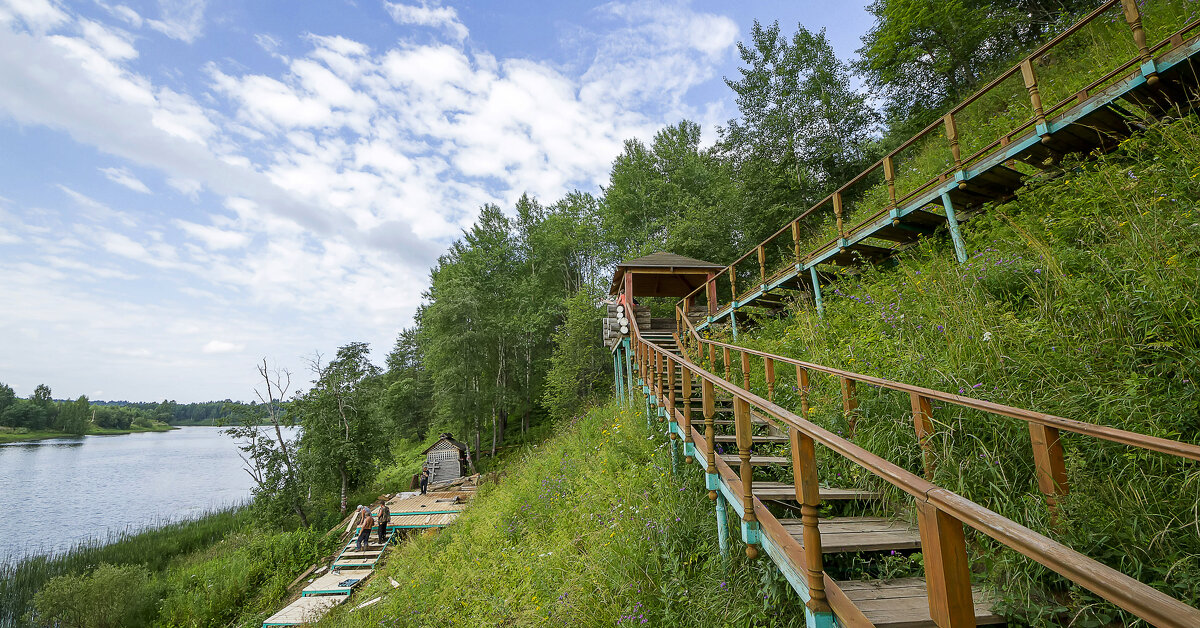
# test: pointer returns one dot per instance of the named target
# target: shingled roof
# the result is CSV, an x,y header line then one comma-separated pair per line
x,y
676,274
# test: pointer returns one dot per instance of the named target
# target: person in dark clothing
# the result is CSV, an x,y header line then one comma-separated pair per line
x,y
384,518
424,480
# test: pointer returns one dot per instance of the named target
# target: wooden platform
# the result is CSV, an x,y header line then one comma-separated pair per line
x,y
305,610
860,534
903,603
328,584
432,510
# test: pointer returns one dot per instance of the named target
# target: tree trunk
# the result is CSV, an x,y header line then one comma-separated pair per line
x,y
345,485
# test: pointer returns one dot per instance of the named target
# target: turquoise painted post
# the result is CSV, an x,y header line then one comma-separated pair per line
x,y
812,272
733,319
722,526
674,455
629,364
960,247
617,374
818,620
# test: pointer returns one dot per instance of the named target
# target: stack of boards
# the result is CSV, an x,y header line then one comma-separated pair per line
x,y
352,567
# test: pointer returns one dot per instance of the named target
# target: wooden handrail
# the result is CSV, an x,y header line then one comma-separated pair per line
x,y
959,107
1133,439
1128,593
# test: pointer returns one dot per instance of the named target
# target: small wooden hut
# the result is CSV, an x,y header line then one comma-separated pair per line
x,y
445,459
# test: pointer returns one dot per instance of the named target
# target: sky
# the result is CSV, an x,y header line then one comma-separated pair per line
x,y
188,187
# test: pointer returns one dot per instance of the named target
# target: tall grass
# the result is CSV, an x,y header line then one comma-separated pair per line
x,y
592,528
1079,299
21,577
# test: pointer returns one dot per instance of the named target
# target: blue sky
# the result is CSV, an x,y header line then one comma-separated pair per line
x,y
189,186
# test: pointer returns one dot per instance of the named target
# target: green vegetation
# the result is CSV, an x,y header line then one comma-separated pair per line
x,y
591,528
1080,300
40,417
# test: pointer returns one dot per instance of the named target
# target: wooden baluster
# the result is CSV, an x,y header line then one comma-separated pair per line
x,y
745,371
1133,15
889,174
947,574
796,240
658,377
686,384
803,385
711,294
1050,464
733,283
762,265
728,362
808,494
923,422
849,405
1035,97
837,212
712,355
745,439
708,407
670,388
769,368
952,137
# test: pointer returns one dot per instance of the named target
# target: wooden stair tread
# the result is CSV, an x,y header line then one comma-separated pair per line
x,y
765,438
903,603
784,491
860,534
757,461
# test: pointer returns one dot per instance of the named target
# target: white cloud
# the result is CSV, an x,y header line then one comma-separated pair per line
x,y
37,15
212,237
180,19
122,176
445,18
330,185
221,346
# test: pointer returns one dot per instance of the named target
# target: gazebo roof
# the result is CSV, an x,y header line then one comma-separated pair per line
x,y
673,275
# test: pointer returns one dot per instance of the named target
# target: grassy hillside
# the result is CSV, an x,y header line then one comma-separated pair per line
x,y
592,528
1079,299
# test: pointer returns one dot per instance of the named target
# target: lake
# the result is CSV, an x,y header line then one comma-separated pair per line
x,y
57,493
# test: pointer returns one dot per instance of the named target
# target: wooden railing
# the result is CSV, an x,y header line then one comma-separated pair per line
x,y
788,251
941,513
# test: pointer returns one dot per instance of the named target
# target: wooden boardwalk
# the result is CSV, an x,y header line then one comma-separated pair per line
x,y
352,568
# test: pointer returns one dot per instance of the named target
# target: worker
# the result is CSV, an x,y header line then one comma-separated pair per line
x,y
384,519
364,536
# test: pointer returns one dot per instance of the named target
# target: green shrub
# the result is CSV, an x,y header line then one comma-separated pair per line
x,y
111,596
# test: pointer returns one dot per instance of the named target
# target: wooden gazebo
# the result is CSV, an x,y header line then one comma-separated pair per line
x,y
661,274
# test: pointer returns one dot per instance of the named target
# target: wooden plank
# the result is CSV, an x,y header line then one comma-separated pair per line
x,y
902,603
758,461
329,583
859,534
305,610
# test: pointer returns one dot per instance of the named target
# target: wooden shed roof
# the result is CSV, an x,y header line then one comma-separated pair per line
x,y
676,275
447,439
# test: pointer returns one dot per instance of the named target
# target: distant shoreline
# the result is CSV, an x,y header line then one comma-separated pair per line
x,y
12,437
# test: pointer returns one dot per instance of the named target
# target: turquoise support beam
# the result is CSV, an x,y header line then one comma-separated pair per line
x,y
674,456
733,319
812,272
722,527
960,247
617,374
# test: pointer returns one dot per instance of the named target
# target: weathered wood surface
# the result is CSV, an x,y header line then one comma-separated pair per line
x,y
860,534
305,610
903,603
328,583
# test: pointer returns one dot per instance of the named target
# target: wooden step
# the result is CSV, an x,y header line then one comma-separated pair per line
x,y
757,461
903,603
860,534
731,438
784,491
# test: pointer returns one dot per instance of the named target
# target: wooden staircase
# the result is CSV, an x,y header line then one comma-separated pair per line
x,y
897,603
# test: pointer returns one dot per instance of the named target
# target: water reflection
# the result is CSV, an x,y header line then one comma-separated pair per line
x,y
105,484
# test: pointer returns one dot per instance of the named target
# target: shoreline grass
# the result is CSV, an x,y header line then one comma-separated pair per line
x,y
36,435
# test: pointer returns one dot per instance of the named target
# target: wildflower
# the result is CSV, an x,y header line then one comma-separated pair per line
x,y
987,336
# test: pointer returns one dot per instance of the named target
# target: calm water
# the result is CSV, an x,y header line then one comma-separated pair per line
x,y
56,493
